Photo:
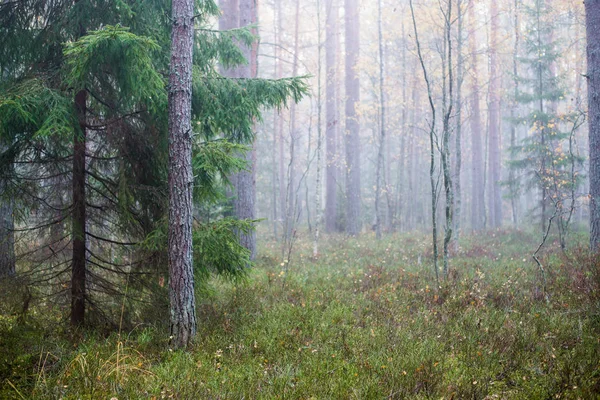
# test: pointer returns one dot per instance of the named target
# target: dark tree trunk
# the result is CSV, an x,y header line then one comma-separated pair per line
x,y
181,272
78,267
592,8
7,236
353,197
331,53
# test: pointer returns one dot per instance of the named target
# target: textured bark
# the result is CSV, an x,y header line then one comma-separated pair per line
x,y
447,101
181,272
331,169
7,238
244,181
477,186
495,193
353,196
78,267
592,8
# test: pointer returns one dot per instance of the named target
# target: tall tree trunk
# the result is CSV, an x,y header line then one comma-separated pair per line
x,y
458,144
447,100
331,169
7,225
514,200
281,141
353,196
477,166
78,221
292,190
380,155
319,136
244,181
432,147
494,169
181,272
592,8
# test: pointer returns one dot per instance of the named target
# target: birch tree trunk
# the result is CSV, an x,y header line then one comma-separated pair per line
x,y
353,196
592,8
181,273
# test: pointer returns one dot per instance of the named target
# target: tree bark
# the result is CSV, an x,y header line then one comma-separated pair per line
x,y
592,8
78,267
7,236
244,181
495,194
181,272
353,196
477,186
331,169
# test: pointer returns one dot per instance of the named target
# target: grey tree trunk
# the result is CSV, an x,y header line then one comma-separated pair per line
x,y
458,144
319,137
495,194
7,236
331,60
244,181
353,196
514,200
447,101
380,155
592,9
477,166
181,272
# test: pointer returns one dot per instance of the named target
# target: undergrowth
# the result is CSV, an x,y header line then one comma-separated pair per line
x,y
364,320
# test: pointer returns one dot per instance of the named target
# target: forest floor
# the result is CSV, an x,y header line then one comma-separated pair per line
x,y
364,321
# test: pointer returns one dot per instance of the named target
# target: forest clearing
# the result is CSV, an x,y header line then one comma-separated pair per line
x,y
362,321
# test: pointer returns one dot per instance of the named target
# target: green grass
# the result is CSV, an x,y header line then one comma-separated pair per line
x,y
363,321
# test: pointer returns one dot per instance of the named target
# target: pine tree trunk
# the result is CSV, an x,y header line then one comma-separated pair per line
x,y
353,196
7,236
514,199
244,181
181,272
458,144
495,195
477,166
592,8
78,267
380,155
331,169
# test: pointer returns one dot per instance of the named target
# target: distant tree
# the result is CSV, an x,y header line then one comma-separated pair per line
x,y
592,9
331,119
476,127
352,135
546,157
494,147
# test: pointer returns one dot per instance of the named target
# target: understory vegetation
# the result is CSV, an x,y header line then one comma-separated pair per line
x,y
363,320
